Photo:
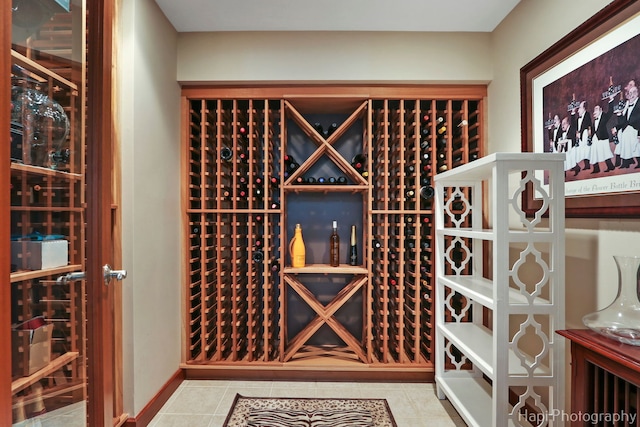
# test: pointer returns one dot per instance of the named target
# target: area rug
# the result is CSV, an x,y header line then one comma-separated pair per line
x,y
308,412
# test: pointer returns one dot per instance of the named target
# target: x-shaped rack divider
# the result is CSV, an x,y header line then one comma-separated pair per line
x,y
325,316
325,146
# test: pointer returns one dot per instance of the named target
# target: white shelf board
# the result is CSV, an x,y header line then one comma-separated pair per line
x,y
471,396
476,342
481,290
481,168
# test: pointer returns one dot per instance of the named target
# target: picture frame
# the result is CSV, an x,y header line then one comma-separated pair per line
x,y
573,76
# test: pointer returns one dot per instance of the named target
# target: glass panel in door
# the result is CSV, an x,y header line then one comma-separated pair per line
x,y
48,309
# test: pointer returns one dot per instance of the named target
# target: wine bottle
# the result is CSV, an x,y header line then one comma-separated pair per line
x,y
426,192
297,249
359,162
334,246
342,180
275,265
322,180
332,180
257,256
353,249
275,182
318,127
310,180
226,153
332,128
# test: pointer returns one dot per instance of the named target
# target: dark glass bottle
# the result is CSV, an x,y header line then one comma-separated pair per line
x,y
257,256
359,162
353,248
332,128
342,180
226,153
426,192
334,246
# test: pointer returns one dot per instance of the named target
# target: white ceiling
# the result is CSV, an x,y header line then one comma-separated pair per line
x,y
336,15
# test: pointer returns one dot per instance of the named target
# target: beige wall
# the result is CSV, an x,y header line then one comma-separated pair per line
x,y
149,115
336,57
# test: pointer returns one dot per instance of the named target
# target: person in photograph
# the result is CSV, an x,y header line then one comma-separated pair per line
x,y
582,124
566,145
627,129
554,133
600,146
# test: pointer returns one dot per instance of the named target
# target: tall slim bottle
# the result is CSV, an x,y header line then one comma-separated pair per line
x,y
353,248
297,249
334,246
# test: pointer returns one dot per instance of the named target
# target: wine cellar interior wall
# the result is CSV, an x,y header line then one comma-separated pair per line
x,y
258,165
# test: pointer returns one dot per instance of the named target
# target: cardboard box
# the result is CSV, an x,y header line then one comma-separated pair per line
x,y
39,254
31,348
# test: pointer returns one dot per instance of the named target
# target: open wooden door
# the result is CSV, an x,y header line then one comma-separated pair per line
x,y
57,214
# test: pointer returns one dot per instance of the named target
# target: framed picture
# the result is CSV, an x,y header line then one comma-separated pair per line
x,y
578,98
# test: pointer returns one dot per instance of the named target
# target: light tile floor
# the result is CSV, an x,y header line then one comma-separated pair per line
x,y
206,403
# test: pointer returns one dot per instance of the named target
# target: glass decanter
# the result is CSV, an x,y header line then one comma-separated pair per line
x,y
621,319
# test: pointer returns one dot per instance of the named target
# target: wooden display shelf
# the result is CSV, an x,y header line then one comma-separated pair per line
x,y
42,171
54,365
326,188
326,269
21,276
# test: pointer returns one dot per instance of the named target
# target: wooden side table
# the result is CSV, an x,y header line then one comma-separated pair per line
x,y
605,380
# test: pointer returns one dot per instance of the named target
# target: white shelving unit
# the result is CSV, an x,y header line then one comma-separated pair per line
x,y
500,290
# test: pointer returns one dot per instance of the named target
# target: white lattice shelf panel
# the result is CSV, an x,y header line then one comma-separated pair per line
x,y
500,288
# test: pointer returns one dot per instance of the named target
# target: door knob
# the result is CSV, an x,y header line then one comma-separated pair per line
x,y
109,274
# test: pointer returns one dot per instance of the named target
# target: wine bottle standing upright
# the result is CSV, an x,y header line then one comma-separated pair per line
x,y
353,248
296,249
334,246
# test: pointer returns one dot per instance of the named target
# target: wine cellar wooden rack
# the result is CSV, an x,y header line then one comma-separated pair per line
x,y
252,162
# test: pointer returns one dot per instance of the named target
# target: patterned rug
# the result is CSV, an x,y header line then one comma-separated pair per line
x,y
293,412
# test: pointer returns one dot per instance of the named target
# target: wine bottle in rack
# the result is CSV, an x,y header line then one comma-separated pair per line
x,y
274,265
353,247
318,127
257,256
332,180
342,180
427,192
274,182
226,153
290,164
311,180
359,163
332,128
322,180
334,246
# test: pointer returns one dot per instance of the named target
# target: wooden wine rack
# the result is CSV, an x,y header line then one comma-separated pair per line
x,y
243,312
49,199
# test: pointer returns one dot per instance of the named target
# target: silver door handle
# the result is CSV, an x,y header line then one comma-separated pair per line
x,y
71,277
109,274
